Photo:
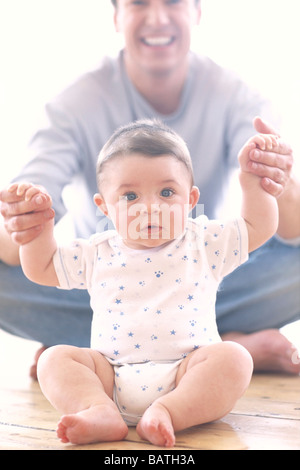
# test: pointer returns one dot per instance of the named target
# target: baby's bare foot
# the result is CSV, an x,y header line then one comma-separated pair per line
x,y
96,424
156,426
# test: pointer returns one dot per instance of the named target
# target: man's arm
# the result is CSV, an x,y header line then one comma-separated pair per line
x,y
259,208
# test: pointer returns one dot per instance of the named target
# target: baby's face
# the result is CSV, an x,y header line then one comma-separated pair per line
x,y
147,198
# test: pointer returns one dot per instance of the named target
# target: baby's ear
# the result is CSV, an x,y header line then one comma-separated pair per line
x,y
194,197
100,203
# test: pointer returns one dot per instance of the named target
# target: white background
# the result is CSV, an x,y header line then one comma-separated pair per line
x,y
46,44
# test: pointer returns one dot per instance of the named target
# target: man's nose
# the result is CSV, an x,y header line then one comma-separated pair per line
x,y
157,14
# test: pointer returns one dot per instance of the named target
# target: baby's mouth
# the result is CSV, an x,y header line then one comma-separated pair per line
x,y
152,230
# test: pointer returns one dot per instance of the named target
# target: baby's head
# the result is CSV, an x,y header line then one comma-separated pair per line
x,y
149,138
145,181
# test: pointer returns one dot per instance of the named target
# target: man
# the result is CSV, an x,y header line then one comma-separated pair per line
x,y
157,75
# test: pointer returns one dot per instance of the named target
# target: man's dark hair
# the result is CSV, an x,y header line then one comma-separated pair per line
x,y
114,2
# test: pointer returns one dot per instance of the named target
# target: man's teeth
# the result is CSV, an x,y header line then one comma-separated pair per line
x,y
158,41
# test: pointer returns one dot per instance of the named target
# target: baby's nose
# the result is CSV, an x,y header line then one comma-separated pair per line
x,y
152,208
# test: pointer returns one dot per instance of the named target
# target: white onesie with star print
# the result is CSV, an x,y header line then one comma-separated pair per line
x,y
152,307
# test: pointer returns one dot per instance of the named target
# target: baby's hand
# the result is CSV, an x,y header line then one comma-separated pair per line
x,y
26,191
266,142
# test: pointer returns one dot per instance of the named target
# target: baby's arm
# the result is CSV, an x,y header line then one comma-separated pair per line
x,y
36,256
259,208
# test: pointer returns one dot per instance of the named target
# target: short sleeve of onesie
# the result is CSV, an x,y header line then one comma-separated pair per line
x,y
225,243
74,263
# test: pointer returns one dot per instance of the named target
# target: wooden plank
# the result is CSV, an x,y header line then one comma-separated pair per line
x,y
275,386
28,422
235,432
271,395
232,433
267,417
27,407
267,408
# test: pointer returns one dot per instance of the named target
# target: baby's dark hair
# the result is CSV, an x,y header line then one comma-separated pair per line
x,y
151,138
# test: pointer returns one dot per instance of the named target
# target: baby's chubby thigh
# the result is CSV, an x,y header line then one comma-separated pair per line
x,y
137,386
225,363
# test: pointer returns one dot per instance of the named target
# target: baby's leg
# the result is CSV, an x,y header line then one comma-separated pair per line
x,y
208,384
79,383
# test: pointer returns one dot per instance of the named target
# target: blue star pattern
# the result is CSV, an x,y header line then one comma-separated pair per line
x,y
157,305
138,385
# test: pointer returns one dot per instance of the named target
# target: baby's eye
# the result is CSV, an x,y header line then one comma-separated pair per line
x,y
130,196
167,192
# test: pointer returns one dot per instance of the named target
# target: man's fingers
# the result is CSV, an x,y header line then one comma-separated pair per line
x,y
26,236
24,222
264,127
38,203
271,187
264,171
277,160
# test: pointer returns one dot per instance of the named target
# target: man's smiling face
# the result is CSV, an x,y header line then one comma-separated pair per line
x,y
157,33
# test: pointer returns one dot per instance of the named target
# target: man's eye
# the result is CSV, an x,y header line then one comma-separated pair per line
x,y
138,2
130,196
167,193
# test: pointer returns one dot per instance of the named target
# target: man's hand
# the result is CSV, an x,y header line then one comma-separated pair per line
x,y
273,166
24,217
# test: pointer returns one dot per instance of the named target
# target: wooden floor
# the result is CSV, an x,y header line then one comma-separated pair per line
x,y
266,418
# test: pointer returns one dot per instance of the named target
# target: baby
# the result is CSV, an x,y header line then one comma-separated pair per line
x,y
156,359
